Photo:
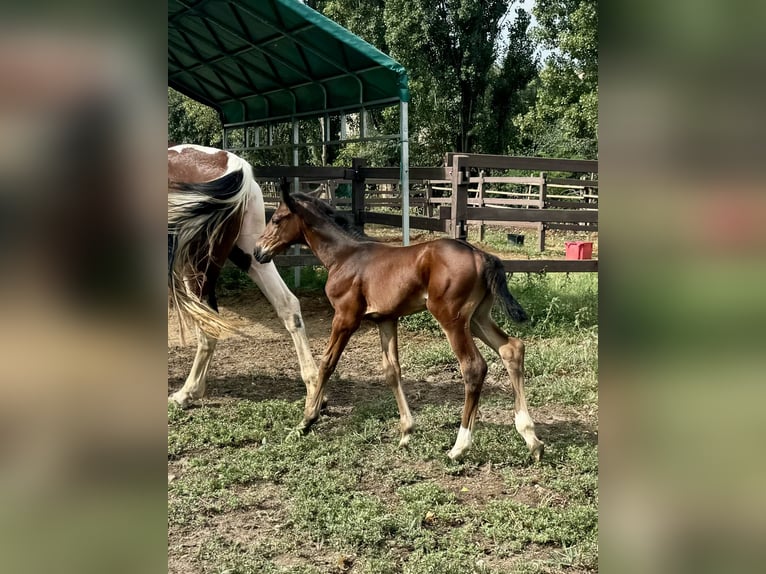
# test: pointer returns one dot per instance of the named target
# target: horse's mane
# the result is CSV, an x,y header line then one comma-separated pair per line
x,y
324,210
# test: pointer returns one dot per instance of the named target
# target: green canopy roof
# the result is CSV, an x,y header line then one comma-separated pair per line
x,y
259,60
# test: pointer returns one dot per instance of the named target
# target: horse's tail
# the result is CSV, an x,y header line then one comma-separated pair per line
x,y
198,214
494,276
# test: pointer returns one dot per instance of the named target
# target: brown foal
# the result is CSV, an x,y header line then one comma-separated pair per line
x,y
455,281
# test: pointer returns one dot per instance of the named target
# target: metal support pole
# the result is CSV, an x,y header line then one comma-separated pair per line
x,y
405,172
296,183
357,193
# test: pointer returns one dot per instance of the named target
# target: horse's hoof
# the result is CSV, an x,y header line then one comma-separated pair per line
x,y
181,401
323,406
455,455
305,426
294,434
405,441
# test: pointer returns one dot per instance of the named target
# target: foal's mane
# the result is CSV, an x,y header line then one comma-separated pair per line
x,y
326,212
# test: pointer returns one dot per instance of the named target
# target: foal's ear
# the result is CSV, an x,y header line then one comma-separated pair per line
x,y
287,199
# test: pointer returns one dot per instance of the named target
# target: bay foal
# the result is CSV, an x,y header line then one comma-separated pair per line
x,y
455,281
215,212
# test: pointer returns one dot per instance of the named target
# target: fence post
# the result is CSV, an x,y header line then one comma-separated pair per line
x,y
543,201
459,217
429,206
481,203
357,192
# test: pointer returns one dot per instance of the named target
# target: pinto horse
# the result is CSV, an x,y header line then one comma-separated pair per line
x,y
215,212
455,281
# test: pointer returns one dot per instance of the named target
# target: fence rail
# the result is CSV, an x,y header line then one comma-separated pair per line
x,y
457,195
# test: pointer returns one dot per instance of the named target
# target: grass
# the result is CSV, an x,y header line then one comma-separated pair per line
x,y
257,498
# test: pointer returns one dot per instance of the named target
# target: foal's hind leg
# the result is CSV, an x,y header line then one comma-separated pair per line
x,y
456,324
474,369
511,351
393,374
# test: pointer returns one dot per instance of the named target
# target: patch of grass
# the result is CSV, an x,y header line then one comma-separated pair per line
x,y
313,278
496,240
329,508
422,322
516,524
558,304
416,358
243,557
344,497
453,560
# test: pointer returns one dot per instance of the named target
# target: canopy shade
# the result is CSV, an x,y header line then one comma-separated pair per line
x,y
262,60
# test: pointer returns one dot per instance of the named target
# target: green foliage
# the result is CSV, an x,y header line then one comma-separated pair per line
x,y
507,93
564,119
192,122
558,305
448,48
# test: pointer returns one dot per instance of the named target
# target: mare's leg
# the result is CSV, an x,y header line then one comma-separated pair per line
x,y
289,311
194,387
511,351
343,326
393,374
456,324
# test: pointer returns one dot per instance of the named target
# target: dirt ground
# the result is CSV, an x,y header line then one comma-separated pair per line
x,y
263,364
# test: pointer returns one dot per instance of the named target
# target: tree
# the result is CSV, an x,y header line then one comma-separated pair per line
x,y
365,19
508,93
564,119
192,122
448,47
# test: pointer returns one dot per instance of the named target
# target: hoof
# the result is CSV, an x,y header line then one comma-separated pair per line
x,y
405,441
455,455
537,452
182,401
294,435
305,426
323,406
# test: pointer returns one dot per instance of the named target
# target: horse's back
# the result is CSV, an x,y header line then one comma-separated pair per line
x,y
188,163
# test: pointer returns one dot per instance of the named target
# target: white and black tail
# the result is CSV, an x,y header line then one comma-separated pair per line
x,y
198,217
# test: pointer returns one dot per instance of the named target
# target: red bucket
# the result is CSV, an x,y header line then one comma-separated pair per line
x,y
579,249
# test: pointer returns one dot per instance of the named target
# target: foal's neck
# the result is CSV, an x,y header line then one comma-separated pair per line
x,y
329,243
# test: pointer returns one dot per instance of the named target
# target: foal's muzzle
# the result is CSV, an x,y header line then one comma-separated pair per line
x,y
262,255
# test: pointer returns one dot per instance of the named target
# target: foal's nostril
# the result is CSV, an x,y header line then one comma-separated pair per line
x,y
261,256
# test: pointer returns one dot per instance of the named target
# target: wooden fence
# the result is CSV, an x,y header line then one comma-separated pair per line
x,y
474,198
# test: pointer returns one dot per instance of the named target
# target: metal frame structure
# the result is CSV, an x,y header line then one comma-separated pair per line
x,y
265,62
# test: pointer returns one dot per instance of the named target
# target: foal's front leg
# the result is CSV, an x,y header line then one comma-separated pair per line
x,y
343,326
393,374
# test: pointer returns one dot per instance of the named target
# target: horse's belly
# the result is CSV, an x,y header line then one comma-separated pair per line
x,y
392,309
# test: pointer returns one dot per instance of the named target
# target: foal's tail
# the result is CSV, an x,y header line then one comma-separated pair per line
x,y
198,219
494,275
